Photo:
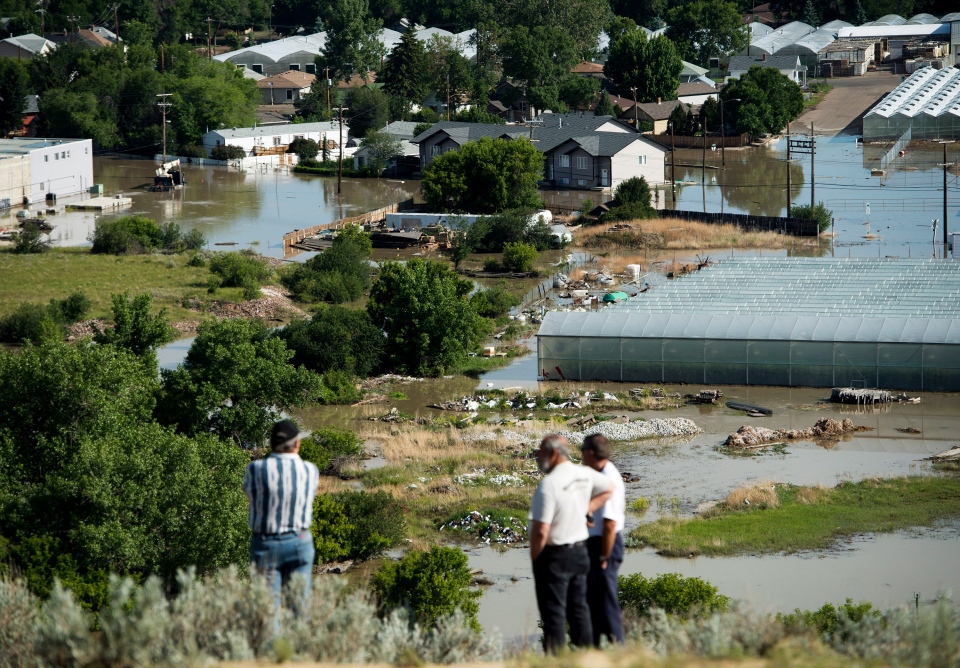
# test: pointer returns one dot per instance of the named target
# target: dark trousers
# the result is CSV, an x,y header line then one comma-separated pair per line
x,y
561,574
602,592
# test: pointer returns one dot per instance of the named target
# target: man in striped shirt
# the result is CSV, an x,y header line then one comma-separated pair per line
x,y
281,489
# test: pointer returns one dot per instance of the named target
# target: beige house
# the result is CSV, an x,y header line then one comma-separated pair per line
x,y
285,88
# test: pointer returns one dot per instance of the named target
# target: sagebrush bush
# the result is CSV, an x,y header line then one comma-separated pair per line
x,y
226,617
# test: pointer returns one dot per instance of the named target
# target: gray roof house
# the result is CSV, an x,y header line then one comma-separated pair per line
x,y
594,152
25,47
789,66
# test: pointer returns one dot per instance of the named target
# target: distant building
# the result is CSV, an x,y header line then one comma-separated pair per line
x,y
275,138
655,113
31,168
696,93
409,159
25,47
789,66
927,104
285,88
582,151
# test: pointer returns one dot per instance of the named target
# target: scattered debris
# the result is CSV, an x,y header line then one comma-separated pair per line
x,y
909,430
948,456
375,383
337,567
748,408
826,429
583,422
488,529
852,395
397,417
633,431
707,396
480,476
274,305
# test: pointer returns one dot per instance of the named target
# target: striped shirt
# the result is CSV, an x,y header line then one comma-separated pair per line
x,y
281,489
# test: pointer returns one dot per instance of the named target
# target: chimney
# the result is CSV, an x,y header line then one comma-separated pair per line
x,y
764,57
658,100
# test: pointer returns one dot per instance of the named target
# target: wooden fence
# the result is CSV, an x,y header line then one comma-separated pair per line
x,y
684,141
800,227
374,216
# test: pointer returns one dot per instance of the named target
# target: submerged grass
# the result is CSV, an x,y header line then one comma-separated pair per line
x,y
806,518
56,274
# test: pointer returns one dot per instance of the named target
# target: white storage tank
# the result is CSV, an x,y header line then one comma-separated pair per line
x,y
633,271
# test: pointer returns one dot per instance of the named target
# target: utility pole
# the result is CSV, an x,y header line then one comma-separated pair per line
x,y
813,170
703,164
946,238
163,104
448,96
327,73
788,170
209,52
723,140
673,168
163,61
636,117
73,20
116,22
41,12
340,167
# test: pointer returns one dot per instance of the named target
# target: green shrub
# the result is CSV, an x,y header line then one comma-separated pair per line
x,y
339,274
422,127
336,339
243,269
197,260
434,584
819,213
38,322
633,191
356,525
494,302
477,115
671,593
194,240
632,211
492,265
233,40
338,388
192,151
829,619
125,235
305,149
327,447
519,257
29,240
227,152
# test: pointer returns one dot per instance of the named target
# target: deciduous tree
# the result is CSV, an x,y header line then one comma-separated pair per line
x,y
14,88
425,312
652,66
367,109
762,101
704,29
383,148
580,20
485,176
541,58
352,45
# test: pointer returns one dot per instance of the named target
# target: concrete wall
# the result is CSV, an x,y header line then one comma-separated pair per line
x,y
15,178
63,169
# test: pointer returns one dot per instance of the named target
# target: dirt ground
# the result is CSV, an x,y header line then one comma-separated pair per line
x,y
842,110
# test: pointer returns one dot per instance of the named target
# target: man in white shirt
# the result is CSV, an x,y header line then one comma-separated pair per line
x,y
605,545
558,542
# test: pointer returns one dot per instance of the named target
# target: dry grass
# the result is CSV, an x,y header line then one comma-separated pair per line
x,y
758,495
675,234
809,496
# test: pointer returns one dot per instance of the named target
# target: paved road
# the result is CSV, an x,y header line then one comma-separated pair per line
x,y
842,110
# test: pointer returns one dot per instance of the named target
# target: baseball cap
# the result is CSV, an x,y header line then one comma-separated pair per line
x,y
283,431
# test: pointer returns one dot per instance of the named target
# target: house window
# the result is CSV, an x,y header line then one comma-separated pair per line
x,y
257,68
564,160
295,137
68,154
276,141
523,106
289,93
435,150
311,68
42,185
56,156
295,67
581,162
46,158
86,151
642,160
63,155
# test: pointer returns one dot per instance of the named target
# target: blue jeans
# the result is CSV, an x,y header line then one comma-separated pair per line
x,y
280,557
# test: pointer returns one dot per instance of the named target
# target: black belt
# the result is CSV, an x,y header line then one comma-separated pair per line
x,y
279,535
568,546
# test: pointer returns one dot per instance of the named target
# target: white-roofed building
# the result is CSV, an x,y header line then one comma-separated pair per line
x,y
32,169
268,139
25,47
927,104
296,53
777,39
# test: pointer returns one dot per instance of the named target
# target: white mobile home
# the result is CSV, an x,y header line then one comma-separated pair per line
x,y
268,138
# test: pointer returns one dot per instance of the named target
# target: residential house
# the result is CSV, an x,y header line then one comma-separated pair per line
x,y
587,69
274,139
691,72
582,150
25,47
33,169
409,159
696,93
789,66
654,113
509,103
285,88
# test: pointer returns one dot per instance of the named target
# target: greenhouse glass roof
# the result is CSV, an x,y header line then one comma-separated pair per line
x,y
812,299
929,91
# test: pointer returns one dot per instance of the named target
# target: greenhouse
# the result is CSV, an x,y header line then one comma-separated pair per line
x,y
783,36
927,104
818,322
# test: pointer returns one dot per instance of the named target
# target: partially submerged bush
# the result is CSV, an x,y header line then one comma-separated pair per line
x,y
494,302
227,152
339,274
130,235
519,256
672,593
336,339
30,239
356,525
829,620
328,448
819,213
434,584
